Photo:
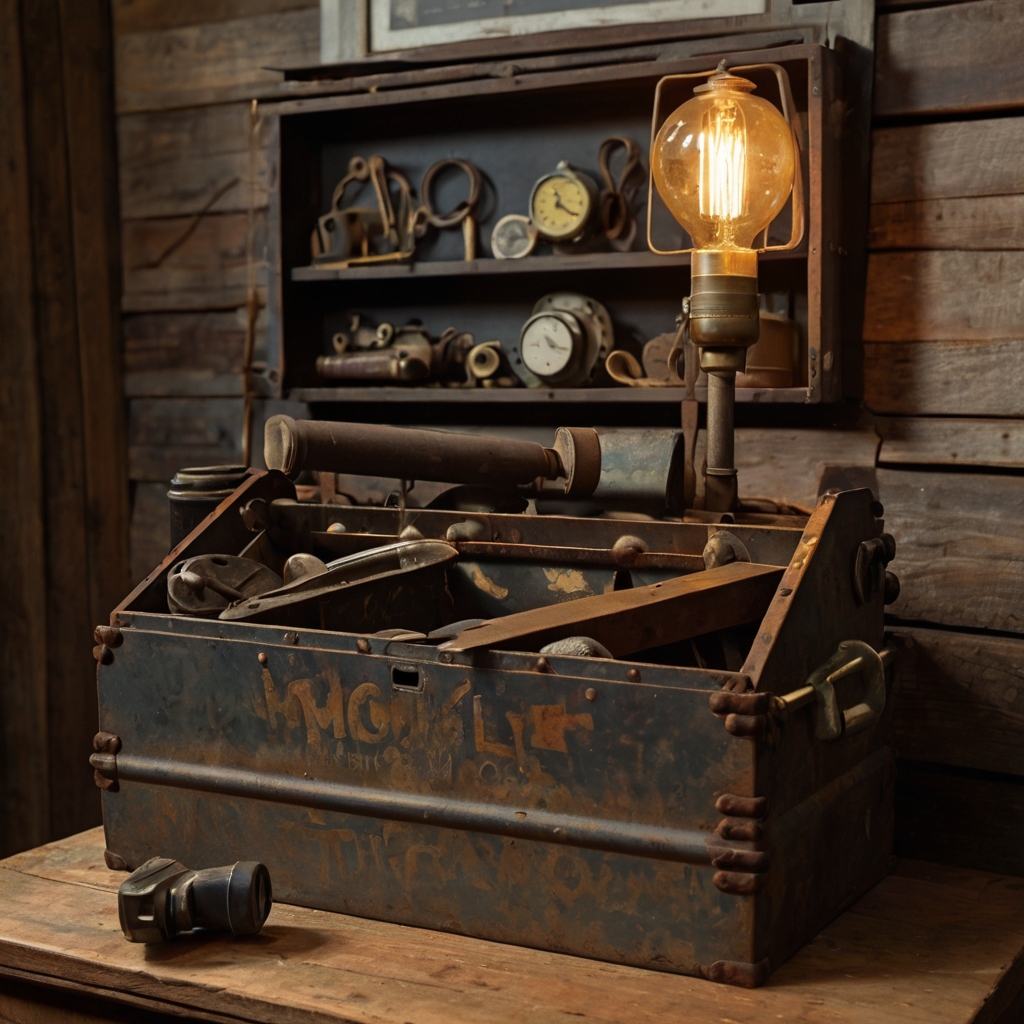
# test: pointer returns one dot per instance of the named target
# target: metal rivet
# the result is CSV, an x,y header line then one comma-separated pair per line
x,y
785,592
591,693
363,645
543,665
291,638
633,675
445,657
261,658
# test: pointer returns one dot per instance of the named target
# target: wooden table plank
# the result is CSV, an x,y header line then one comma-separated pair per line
x,y
929,944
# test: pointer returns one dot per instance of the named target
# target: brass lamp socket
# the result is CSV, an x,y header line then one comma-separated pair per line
x,y
724,308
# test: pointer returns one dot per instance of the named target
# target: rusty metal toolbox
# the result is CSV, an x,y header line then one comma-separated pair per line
x,y
705,819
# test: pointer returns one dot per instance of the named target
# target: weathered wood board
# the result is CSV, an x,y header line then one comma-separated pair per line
x,y
151,528
150,15
947,159
176,263
956,816
959,547
216,62
165,435
945,378
960,699
929,944
944,296
950,59
951,441
172,163
188,354
971,223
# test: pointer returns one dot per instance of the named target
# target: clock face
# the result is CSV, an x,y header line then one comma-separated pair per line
x,y
513,237
560,207
547,346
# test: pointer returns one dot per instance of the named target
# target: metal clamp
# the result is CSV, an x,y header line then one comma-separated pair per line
x,y
850,657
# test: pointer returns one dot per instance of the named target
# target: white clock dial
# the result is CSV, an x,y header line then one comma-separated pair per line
x,y
547,346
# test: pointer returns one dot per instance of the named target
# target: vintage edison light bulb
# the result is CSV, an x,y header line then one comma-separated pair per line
x,y
723,163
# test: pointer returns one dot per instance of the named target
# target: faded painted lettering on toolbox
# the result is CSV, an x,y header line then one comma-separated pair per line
x,y
550,723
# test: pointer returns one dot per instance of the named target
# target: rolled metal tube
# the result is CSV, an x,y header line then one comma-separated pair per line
x,y
721,415
720,479
404,454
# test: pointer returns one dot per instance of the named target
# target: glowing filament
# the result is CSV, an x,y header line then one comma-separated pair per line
x,y
723,167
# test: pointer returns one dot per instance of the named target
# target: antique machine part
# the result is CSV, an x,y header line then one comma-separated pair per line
x,y
348,236
725,162
462,214
617,199
407,454
362,335
563,341
407,356
513,237
483,361
564,204
196,492
207,584
162,899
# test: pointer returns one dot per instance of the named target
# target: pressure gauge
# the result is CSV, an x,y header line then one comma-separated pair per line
x,y
562,342
563,204
550,342
513,237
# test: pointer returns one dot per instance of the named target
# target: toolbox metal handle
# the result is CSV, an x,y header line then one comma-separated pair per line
x,y
851,656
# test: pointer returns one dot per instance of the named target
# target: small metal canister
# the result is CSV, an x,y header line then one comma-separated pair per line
x,y
196,492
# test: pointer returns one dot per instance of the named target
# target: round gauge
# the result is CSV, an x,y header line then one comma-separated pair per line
x,y
549,343
561,204
513,237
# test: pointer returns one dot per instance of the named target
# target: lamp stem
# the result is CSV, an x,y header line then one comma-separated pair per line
x,y
720,481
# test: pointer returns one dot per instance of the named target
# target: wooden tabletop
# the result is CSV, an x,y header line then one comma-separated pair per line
x,y
929,944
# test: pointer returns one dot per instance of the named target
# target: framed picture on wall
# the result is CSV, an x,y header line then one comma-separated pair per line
x,y
401,24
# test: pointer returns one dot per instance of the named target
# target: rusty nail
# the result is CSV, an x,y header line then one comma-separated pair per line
x,y
543,665
261,658
591,693
109,635
633,675
291,638
103,654
363,645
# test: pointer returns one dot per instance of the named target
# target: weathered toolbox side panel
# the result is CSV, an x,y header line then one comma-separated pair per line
x,y
618,788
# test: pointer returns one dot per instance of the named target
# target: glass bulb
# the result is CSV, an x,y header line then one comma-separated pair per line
x,y
723,163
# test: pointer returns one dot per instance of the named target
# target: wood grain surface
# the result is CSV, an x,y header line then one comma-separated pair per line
x,y
959,547
951,441
960,699
950,59
944,296
945,378
928,945
216,62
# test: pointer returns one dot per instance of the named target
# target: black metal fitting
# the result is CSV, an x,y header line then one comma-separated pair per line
x,y
163,899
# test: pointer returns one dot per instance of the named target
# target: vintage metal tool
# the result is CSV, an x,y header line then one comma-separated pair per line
x,y
163,899
617,199
464,213
207,584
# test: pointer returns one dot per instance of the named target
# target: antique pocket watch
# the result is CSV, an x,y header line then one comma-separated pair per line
x,y
564,204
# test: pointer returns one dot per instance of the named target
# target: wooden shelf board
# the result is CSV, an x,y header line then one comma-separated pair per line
x,y
519,396
593,261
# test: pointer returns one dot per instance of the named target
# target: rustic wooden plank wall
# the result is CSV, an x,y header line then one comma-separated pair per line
x,y
64,531
944,344
944,351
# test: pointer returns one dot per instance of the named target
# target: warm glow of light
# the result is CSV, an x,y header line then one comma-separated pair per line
x,y
723,163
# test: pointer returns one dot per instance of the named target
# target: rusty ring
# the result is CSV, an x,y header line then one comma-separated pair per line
x,y
466,207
